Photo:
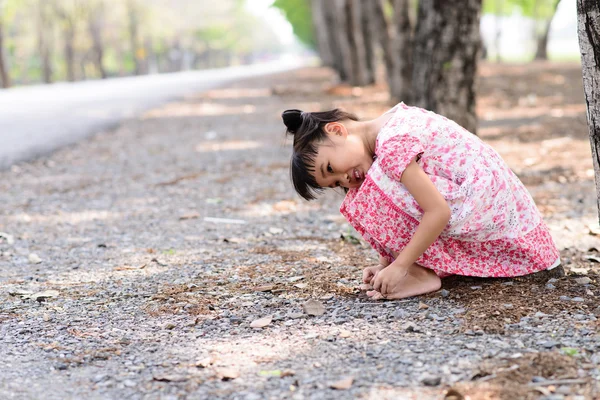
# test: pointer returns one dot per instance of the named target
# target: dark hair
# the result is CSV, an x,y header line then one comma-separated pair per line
x,y
308,132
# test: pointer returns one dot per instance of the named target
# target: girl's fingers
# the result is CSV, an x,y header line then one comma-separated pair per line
x,y
367,275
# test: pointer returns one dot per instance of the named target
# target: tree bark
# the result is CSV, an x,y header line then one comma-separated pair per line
x,y
95,28
403,50
341,31
321,32
43,42
446,52
133,36
330,12
4,78
357,43
541,52
588,29
370,37
69,37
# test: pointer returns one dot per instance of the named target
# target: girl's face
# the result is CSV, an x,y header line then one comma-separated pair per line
x,y
342,160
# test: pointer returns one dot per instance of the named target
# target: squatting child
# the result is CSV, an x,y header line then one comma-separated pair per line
x,y
430,197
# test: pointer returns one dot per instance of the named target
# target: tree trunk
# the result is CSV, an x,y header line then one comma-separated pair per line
x,y
446,52
321,32
588,28
4,78
357,43
43,42
541,52
341,31
370,38
133,36
95,28
403,50
386,36
330,12
69,37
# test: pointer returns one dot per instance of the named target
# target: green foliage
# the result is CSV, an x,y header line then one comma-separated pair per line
x,y
537,9
298,14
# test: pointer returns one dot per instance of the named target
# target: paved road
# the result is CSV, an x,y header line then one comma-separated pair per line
x,y
36,120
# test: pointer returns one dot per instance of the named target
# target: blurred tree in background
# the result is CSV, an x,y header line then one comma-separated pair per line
x,y
54,40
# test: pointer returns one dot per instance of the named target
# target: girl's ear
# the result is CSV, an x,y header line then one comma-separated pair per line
x,y
336,129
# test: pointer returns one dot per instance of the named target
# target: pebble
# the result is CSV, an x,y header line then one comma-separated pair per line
x,y
444,293
583,280
564,298
430,380
578,299
550,286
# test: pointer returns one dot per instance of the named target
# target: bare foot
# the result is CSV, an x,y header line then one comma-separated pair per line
x,y
419,280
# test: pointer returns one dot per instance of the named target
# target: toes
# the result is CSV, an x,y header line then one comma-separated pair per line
x,y
375,295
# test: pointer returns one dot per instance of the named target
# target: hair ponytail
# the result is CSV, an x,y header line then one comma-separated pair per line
x,y
308,132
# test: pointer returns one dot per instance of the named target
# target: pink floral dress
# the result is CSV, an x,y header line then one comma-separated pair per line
x,y
495,229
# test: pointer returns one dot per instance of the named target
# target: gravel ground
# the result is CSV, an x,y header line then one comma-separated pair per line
x,y
136,264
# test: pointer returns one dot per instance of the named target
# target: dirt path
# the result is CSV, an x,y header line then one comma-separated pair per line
x,y
167,237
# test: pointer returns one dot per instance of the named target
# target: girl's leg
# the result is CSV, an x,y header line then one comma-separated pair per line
x,y
419,280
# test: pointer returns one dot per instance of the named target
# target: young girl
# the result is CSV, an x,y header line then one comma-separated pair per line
x,y
430,197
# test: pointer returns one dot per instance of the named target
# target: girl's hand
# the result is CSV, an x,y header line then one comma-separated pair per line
x,y
386,281
369,273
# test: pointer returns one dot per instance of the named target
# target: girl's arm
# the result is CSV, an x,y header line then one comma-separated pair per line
x,y
383,261
436,214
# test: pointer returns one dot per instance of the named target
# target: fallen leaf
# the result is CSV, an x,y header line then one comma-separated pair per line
x,y
34,258
423,306
46,294
274,373
264,288
343,384
10,239
21,293
314,307
170,378
192,215
591,258
579,271
262,322
301,285
204,363
228,373
128,267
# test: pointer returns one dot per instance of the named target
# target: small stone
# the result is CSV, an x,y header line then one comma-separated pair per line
x,y
564,298
476,287
314,307
507,306
34,258
550,344
552,280
537,379
583,280
430,380
410,327
578,299
61,366
423,306
295,315
444,293
509,283
169,325
589,292
471,346
345,334
550,286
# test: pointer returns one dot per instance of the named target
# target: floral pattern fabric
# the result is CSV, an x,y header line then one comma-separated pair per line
x,y
495,229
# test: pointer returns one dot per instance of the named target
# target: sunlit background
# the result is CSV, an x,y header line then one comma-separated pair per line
x,y
44,41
